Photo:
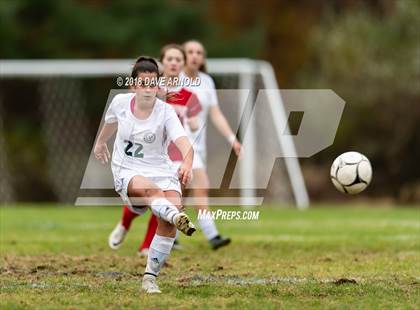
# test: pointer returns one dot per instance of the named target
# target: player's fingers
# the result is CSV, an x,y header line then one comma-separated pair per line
x,y
238,147
101,158
182,176
185,178
107,152
240,151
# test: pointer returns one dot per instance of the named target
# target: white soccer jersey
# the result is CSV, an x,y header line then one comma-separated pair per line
x,y
141,145
207,95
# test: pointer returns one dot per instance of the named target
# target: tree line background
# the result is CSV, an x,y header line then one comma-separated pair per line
x,y
366,51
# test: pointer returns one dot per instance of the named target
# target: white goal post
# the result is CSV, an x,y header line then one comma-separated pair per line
x,y
245,69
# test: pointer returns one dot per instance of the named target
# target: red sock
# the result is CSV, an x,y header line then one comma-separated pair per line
x,y
127,217
150,233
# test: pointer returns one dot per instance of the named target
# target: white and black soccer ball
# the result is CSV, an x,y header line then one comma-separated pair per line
x,y
351,173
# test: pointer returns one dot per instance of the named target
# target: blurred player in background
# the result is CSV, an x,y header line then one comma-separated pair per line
x,y
195,67
143,173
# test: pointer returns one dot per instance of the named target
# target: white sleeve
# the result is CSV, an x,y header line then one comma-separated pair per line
x,y
213,93
173,125
110,115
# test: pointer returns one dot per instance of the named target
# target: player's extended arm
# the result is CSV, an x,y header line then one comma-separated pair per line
x,y
101,149
185,170
222,125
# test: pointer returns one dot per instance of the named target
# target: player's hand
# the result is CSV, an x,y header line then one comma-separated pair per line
x,y
102,153
185,173
237,148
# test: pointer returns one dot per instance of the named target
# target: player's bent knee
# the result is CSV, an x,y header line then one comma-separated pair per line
x,y
137,196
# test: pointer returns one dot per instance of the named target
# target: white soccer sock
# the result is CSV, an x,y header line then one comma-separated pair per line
x,y
158,252
208,227
164,209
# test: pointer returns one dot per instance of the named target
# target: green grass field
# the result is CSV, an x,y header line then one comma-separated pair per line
x,y
346,258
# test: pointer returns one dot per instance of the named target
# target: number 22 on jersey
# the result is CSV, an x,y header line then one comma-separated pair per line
x,y
138,149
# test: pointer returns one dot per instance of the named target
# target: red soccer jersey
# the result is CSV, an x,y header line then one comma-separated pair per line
x,y
186,105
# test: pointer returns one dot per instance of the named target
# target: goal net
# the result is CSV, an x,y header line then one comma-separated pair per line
x,y
70,96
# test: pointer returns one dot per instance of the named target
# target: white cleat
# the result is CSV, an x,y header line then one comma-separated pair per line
x,y
183,223
149,284
116,238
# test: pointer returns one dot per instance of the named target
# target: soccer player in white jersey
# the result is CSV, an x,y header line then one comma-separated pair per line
x,y
143,173
196,68
187,107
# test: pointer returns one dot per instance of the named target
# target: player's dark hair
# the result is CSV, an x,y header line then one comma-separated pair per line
x,y
203,67
144,64
168,47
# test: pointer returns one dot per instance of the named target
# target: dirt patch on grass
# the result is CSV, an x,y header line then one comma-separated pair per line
x,y
198,280
65,265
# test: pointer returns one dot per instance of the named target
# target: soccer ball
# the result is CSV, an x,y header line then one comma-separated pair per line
x,y
351,173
